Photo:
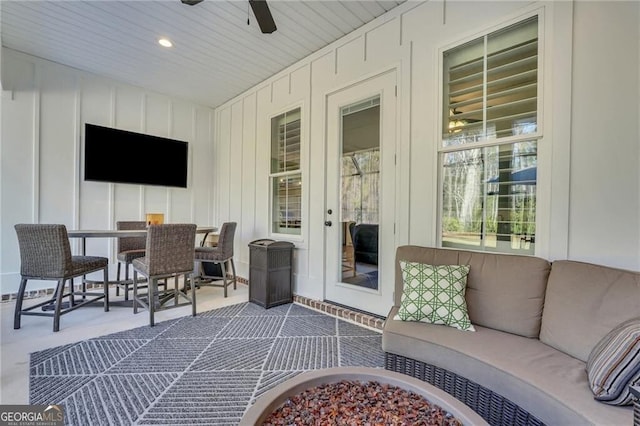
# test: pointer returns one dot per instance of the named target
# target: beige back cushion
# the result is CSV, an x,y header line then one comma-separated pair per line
x,y
504,292
584,302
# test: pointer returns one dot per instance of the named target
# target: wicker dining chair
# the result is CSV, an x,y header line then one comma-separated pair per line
x,y
45,254
222,255
169,253
130,248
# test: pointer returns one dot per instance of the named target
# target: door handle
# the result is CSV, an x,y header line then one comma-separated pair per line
x,y
327,223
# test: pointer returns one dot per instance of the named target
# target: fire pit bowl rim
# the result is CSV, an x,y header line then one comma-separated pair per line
x,y
269,401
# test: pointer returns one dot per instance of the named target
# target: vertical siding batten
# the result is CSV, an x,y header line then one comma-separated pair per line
x,y
76,156
37,94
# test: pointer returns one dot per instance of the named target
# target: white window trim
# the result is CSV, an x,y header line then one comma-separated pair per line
x,y
542,219
554,150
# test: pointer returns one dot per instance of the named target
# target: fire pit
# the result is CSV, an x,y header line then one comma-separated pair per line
x,y
318,394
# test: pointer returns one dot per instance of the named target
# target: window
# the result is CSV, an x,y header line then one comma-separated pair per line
x,y
488,154
286,177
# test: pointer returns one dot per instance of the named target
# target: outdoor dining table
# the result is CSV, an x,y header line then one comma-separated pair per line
x,y
115,233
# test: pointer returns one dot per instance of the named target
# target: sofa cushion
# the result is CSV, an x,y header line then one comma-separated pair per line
x,y
504,292
584,302
434,294
547,383
614,364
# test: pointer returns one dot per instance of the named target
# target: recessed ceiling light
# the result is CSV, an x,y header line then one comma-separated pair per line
x,y
165,42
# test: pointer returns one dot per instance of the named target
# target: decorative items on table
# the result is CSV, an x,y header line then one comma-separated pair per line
x,y
155,219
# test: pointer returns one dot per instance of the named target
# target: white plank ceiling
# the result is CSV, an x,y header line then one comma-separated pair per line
x,y
215,56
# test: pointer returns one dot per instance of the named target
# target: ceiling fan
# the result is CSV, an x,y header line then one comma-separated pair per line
x,y
260,10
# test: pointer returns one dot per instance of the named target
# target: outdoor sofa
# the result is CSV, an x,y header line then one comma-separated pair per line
x,y
536,325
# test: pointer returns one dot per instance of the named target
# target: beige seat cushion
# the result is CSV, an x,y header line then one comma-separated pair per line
x,y
548,383
584,302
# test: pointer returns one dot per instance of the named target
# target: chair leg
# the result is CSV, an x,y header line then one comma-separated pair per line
x,y
176,290
193,293
152,287
72,300
195,281
118,279
83,285
235,278
58,307
106,289
126,281
18,312
135,292
224,278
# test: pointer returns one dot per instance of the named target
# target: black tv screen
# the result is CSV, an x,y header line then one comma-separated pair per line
x,y
120,156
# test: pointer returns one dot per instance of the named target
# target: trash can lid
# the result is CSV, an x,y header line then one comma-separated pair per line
x,y
266,242
281,244
261,242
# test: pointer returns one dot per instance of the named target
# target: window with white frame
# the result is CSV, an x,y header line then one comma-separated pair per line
x,y
488,155
286,175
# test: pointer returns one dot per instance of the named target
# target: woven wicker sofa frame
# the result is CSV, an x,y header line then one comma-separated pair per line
x,y
493,407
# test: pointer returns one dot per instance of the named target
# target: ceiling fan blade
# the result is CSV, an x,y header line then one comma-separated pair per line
x,y
263,16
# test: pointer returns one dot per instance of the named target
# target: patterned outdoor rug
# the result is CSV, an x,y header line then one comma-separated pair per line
x,y
195,370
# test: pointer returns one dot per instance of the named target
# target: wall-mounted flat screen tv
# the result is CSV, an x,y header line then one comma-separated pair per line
x,y
120,156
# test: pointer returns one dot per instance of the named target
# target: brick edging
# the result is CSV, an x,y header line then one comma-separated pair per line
x,y
341,312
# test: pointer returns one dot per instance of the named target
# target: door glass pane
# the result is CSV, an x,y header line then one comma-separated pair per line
x,y
360,192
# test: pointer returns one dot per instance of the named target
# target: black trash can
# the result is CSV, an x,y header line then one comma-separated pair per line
x,y
270,272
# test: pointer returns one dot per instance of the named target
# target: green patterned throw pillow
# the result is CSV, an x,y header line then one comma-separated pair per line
x,y
434,294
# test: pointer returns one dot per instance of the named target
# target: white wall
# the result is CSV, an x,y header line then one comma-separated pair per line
x,y
605,140
588,181
41,155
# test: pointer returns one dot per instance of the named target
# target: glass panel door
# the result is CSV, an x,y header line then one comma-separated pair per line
x,y
360,191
